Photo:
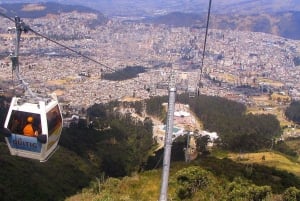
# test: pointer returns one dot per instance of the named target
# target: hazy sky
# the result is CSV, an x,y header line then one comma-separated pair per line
x,y
123,6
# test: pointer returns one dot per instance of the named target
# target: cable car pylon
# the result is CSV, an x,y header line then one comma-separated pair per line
x,y
170,121
168,139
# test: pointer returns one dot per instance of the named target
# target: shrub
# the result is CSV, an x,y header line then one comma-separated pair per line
x,y
190,180
291,194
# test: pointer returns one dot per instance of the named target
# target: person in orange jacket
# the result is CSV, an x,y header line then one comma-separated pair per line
x,y
28,130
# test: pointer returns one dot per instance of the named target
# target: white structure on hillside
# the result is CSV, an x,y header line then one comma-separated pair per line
x,y
212,135
181,114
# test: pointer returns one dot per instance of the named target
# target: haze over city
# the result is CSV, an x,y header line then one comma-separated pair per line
x,y
113,65
152,7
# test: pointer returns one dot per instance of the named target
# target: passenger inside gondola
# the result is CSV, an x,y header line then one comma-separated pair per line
x,y
25,123
29,130
16,126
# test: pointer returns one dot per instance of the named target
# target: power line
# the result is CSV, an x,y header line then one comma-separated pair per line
x,y
5,16
72,50
26,27
205,38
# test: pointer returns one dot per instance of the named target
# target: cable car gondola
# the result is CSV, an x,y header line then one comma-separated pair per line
x,y
45,120
33,124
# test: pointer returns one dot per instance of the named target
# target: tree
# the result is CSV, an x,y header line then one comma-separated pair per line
x,y
178,147
202,142
148,124
293,111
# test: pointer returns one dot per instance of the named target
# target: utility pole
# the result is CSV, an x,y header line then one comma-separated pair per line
x,y
168,140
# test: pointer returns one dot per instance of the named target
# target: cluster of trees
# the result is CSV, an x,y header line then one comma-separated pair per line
x,y
117,150
293,111
123,143
237,130
127,73
155,108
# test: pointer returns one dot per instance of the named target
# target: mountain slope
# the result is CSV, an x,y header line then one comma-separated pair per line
x,y
209,178
285,24
25,10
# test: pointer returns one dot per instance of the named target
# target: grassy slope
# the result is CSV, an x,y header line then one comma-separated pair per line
x,y
146,185
143,187
271,159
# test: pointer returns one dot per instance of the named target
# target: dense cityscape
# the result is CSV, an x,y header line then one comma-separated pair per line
x,y
232,59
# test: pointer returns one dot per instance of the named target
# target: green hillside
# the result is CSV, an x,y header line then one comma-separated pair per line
x,y
208,178
114,159
285,24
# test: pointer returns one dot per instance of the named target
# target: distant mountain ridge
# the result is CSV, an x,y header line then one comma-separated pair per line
x,y
285,24
26,10
157,7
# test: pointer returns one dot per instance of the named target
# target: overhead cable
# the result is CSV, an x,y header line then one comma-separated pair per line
x,y
205,38
64,46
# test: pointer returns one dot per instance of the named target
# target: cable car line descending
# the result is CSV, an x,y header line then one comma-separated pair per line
x,y
66,47
79,53
57,43
192,92
205,38
72,50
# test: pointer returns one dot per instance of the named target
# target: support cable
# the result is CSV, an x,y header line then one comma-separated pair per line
x,y
64,46
205,39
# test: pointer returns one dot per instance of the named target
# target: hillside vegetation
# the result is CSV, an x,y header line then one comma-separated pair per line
x,y
113,159
205,179
127,73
